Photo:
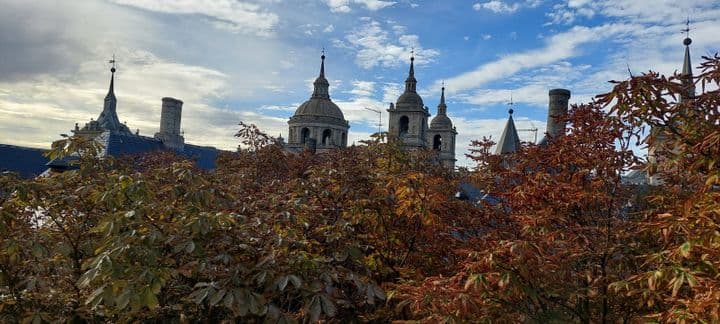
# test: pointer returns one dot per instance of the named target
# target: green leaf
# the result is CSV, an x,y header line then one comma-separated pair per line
x,y
685,249
122,301
282,283
190,247
217,297
149,299
315,309
327,306
257,304
295,281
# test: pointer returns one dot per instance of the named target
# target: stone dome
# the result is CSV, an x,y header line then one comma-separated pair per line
x,y
441,121
321,108
410,98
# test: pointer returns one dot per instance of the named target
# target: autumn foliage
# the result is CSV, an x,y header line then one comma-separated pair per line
x,y
375,233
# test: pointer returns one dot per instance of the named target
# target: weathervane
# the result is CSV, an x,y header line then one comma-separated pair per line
x,y
687,28
323,50
511,103
412,52
113,63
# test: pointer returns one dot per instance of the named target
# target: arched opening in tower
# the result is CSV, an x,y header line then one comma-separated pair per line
x,y
344,139
404,125
326,137
304,135
437,142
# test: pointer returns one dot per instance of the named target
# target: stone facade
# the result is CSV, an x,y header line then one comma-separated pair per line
x,y
409,123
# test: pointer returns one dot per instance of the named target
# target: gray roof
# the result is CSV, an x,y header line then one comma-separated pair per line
x,y
410,98
441,121
509,140
321,108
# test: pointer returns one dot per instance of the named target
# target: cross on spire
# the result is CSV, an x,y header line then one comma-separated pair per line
x,y
412,53
687,28
323,51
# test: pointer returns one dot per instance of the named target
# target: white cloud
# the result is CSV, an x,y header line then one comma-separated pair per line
x,y
391,91
660,12
557,48
374,5
40,108
236,16
375,47
362,88
486,36
344,6
497,6
329,29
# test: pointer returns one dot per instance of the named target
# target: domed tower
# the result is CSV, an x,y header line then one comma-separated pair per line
x,y
318,123
408,117
442,134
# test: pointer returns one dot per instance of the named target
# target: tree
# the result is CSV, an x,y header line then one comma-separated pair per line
x,y
679,280
268,236
559,236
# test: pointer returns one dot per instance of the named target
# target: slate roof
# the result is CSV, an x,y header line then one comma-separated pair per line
x,y
509,140
27,162
118,144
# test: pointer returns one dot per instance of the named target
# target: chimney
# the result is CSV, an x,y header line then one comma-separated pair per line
x,y
170,124
557,108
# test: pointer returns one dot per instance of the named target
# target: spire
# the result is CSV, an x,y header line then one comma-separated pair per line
x,y
111,91
509,140
108,119
411,82
442,107
322,64
322,86
687,75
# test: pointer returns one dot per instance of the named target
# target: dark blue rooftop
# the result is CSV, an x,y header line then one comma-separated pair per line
x,y
117,144
27,162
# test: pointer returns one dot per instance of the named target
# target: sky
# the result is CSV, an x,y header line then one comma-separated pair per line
x,y
255,60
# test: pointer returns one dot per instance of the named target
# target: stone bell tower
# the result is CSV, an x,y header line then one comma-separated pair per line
x,y
408,117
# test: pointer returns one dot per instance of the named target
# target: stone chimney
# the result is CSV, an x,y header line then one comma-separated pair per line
x,y
557,109
170,117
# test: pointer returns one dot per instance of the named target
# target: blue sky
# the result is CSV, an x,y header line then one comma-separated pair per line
x,y
254,61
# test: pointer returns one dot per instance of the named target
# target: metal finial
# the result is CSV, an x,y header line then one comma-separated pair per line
x,y
323,52
687,41
412,53
511,103
112,69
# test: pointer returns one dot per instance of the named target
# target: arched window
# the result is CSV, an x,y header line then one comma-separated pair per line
x,y
344,139
437,142
326,137
404,125
304,135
